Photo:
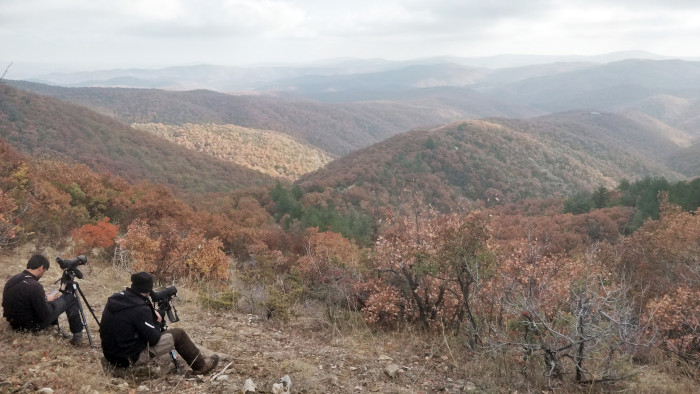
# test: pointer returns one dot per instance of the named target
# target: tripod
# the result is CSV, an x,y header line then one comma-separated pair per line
x,y
72,287
162,310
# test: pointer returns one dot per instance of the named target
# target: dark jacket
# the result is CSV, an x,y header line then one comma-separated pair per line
x,y
24,303
128,324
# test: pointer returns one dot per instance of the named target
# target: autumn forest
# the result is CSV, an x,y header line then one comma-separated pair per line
x,y
556,237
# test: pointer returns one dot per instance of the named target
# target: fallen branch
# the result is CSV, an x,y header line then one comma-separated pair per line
x,y
222,371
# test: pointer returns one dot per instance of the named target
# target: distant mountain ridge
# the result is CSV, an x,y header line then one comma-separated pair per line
x,y
525,132
228,78
376,99
338,128
582,88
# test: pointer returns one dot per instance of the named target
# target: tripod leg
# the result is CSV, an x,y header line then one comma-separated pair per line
x,y
87,304
177,366
62,333
83,320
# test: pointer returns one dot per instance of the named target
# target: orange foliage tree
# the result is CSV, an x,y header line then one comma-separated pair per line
x,y
99,235
169,254
434,267
330,267
676,317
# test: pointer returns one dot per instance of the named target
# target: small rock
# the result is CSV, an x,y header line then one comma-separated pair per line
x,y
469,386
358,388
286,381
391,370
46,390
142,388
249,386
384,357
222,378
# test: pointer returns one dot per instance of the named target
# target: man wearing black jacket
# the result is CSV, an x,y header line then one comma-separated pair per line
x,y
27,307
131,334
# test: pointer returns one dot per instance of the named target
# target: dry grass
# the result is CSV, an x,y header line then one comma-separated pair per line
x,y
320,356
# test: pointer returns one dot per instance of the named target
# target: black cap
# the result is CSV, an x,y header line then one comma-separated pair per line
x,y
141,282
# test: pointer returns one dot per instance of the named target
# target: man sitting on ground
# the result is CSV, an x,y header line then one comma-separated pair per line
x,y
131,330
28,308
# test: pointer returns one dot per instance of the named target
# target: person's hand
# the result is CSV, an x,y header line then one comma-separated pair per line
x,y
52,296
158,316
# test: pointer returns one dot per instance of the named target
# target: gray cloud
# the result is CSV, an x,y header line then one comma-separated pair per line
x,y
134,32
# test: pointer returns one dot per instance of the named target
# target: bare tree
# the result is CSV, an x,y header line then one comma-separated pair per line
x,y
3,74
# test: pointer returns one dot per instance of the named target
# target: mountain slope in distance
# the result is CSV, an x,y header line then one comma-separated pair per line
x,y
493,160
337,128
682,113
49,127
266,151
604,87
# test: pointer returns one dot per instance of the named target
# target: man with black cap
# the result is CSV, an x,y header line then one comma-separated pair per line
x,y
27,307
130,330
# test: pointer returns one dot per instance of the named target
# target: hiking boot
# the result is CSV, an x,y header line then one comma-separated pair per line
x,y
208,365
77,339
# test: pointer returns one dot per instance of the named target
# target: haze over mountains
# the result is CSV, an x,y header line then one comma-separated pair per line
x,y
544,129
227,78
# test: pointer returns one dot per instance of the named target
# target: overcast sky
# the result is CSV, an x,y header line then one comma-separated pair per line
x,y
157,33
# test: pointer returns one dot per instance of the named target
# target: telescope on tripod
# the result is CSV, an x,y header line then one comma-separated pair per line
x,y
69,285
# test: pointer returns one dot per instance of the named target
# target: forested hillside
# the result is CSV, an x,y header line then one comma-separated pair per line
x,y
461,288
682,113
357,109
45,126
266,151
494,160
335,128
688,160
603,135
356,254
